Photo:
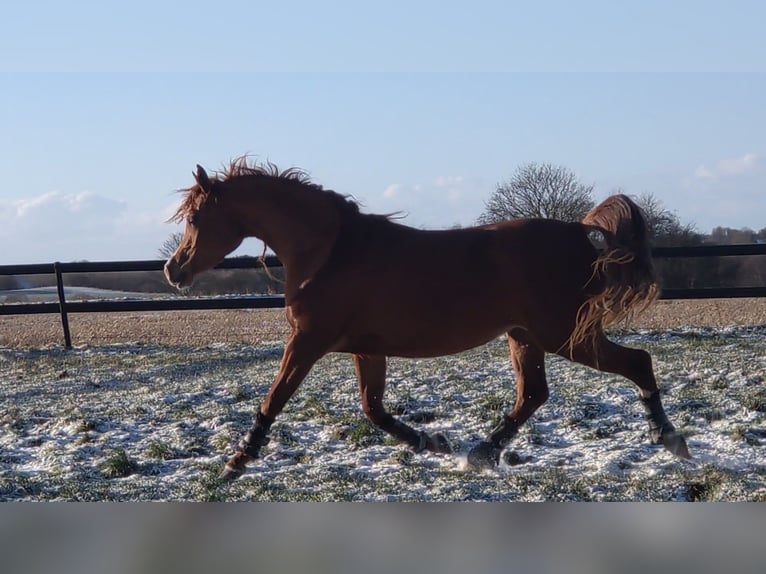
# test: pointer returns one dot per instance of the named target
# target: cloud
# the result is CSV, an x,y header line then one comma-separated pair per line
x,y
728,167
449,180
453,187
441,202
58,226
392,191
728,193
59,210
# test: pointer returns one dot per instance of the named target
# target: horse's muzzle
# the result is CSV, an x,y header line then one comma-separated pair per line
x,y
175,275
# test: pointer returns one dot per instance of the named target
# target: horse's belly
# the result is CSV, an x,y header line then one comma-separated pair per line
x,y
421,340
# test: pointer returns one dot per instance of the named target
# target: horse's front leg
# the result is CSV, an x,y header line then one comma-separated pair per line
x,y
300,355
371,372
531,392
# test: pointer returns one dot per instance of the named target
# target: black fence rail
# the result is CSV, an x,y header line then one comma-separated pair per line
x,y
64,307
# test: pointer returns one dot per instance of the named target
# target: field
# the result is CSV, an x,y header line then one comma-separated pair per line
x,y
149,406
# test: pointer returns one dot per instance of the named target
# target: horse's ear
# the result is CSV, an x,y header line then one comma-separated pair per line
x,y
202,179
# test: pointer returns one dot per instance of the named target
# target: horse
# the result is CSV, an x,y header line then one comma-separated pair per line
x,y
369,286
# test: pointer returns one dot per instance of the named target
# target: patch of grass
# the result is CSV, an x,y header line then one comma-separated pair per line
x,y
117,465
241,393
185,413
755,401
195,447
12,418
403,456
360,433
601,431
222,442
495,403
747,435
364,434
160,451
712,415
284,436
390,440
213,489
85,426
720,383
553,484
704,490
305,458
85,439
738,433
312,408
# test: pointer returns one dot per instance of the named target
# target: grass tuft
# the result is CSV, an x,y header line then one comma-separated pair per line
x,y
160,451
118,465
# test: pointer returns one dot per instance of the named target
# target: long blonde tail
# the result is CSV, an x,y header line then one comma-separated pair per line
x,y
624,270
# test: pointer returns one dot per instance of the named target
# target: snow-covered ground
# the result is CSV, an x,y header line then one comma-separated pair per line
x,y
50,294
136,422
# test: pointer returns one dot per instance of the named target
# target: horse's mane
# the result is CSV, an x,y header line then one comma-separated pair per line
x,y
245,167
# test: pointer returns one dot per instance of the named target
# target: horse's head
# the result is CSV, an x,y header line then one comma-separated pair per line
x,y
211,231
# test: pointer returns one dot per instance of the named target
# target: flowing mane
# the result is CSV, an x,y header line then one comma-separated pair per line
x,y
243,166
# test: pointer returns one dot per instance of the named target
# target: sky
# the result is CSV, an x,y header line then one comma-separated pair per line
x,y
414,107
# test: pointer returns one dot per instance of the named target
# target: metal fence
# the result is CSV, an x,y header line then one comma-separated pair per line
x,y
64,307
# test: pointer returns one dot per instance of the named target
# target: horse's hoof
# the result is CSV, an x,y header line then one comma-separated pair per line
x,y
439,443
235,467
675,443
230,473
484,456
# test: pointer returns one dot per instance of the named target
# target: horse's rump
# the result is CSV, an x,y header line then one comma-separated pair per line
x,y
623,271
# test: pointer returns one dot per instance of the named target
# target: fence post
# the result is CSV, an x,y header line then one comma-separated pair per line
x,y
62,305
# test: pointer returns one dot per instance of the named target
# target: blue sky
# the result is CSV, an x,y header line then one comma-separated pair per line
x,y
424,107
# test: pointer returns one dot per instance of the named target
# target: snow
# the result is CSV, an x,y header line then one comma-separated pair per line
x,y
50,294
177,413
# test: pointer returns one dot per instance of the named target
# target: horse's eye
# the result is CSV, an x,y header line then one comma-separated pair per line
x,y
192,220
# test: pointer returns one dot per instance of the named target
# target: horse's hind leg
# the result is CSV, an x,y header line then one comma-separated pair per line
x,y
532,391
371,372
636,365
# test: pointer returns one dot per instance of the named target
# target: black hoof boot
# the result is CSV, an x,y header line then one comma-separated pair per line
x,y
661,430
484,455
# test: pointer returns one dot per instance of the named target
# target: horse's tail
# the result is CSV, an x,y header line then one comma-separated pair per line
x,y
623,272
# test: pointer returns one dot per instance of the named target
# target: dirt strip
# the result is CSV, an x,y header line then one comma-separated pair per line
x,y
258,326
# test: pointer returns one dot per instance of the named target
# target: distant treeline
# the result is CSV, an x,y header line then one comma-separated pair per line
x,y
702,272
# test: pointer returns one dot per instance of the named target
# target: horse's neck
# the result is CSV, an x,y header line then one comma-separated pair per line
x,y
299,225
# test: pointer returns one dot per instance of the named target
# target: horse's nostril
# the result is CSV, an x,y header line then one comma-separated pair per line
x,y
171,272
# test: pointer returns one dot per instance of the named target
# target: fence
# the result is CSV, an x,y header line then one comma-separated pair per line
x,y
64,307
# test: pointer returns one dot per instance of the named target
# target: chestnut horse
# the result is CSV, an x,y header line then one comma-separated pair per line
x,y
363,284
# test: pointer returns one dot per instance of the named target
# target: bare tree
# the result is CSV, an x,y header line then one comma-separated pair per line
x,y
170,245
665,225
539,190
